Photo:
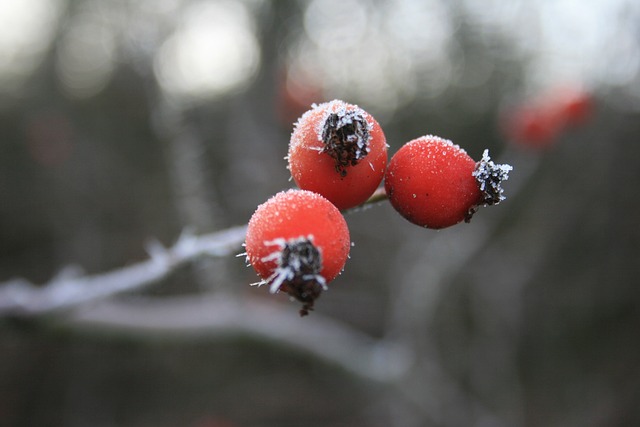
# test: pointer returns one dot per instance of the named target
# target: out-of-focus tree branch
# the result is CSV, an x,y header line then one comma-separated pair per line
x,y
438,260
71,288
220,314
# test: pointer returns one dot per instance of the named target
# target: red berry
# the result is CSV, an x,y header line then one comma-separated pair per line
x,y
533,126
574,104
540,122
296,90
339,151
435,184
297,242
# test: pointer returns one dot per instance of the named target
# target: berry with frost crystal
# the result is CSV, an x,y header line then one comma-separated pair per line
x,y
297,242
339,151
435,184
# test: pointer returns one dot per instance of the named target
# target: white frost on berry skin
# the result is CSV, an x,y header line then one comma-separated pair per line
x,y
335,128
341,109
489,177
435,148
434,139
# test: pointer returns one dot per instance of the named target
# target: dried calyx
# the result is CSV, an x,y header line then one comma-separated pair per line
x,y
489,177
345,135
299,263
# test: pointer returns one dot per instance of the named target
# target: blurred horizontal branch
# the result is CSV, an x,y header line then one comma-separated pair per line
x,y
70,288
220,314
438,260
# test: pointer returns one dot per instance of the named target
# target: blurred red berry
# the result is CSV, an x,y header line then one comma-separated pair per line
x,y
295,92
50,138
435,184
339,151
539,123
575,105
533,126
297,242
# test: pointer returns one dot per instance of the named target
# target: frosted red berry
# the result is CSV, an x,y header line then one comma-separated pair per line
x,y
339,151
297,242
435,184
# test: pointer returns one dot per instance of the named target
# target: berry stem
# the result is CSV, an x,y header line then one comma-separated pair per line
x,y
379,195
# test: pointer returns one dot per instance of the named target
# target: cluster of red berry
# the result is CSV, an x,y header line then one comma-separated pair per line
x,y
298,241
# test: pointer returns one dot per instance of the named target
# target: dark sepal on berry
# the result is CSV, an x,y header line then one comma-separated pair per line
x,y
304,290
345,135
298,272
489,177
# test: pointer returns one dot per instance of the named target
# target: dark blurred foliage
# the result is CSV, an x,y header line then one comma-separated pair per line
x,y
540,328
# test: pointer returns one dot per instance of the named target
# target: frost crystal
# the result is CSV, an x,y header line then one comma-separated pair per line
x,y
299,263
489,177
346,136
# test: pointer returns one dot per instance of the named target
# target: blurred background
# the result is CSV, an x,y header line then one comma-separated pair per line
x,y
125,121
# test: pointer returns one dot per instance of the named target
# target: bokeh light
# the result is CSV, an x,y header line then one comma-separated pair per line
x,y
388,55
87,52
27,28
213,52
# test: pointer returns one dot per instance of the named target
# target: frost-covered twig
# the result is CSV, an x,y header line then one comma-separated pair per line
x,y
20,297
71,288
